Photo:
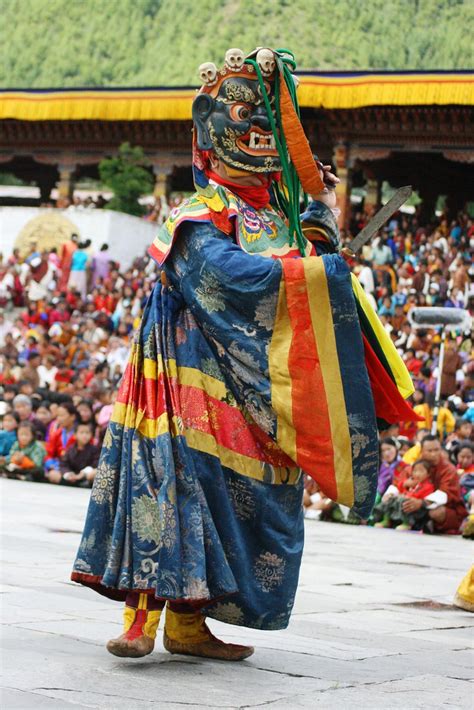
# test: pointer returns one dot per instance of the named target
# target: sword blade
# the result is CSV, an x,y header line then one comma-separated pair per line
x,y
395,202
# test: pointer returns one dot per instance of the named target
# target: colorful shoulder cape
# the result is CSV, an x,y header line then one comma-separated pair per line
x,y
261,232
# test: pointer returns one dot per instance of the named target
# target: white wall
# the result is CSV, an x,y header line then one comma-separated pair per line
x,y
127,236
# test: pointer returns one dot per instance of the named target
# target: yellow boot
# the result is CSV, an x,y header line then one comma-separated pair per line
x,y
140,626
188,634
464,597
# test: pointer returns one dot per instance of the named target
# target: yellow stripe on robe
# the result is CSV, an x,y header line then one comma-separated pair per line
x,y
188,376
321,318
280,376
402,376
128,416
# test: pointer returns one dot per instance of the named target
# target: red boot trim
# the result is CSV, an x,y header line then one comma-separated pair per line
x,y
136,628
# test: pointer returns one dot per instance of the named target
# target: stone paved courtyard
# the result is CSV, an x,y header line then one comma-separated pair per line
x,y
373,626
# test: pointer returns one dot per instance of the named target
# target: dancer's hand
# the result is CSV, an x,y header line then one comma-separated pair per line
x,y
328,195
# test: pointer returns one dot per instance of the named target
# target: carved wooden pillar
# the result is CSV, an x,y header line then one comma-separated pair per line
x,y
162,181
65,184
343,189
372,196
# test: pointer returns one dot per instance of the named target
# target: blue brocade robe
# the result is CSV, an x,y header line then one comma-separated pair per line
x,y
198,494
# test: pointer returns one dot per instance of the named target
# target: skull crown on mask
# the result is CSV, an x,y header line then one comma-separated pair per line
x,y
230,115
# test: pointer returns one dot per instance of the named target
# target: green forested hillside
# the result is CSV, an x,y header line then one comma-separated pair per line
x,y
58,43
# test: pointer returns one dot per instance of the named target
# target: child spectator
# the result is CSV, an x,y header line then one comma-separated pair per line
x,y
78,464
25,460
61,437
8,434
461,434
315,503
85,412
317,506
417,484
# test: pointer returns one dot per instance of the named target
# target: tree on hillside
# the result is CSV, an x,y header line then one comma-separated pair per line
x,y
163,42
128,178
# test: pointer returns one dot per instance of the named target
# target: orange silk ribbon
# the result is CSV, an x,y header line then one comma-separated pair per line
x,y
298,146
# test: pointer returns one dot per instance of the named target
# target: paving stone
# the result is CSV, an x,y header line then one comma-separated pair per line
x,y
373,625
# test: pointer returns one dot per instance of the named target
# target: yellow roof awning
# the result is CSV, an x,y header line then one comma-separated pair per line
x,y
330,90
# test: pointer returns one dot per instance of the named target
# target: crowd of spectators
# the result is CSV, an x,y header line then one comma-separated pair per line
x,y
426,477
66,327
77,202
156,209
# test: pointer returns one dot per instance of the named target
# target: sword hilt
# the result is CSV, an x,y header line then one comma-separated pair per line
x,y
320,167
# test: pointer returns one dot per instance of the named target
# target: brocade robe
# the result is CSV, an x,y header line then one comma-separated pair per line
x,y
246,369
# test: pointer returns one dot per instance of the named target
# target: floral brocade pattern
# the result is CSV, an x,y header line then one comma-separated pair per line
x,y
193,498
147,520
167,517
269,570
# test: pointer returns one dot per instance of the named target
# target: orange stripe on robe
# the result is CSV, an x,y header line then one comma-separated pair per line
x,y
307,389
309,404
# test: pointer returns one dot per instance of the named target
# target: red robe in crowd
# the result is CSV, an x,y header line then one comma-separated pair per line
x,y
446,479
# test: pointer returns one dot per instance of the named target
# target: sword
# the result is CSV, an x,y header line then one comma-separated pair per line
x,y
395,202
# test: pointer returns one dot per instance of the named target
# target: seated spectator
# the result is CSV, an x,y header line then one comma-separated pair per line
x,y
405,445
465,458
63,377
8,434
26,457
79,463
447,518
61,437
468,415
23,406
47,372
461,433
315,503
30,371
7,373
416,485
413,362
45,416
392,467
85,412
465,469
104,414
9,348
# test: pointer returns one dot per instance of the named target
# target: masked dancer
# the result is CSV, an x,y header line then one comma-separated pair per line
x,y
258,357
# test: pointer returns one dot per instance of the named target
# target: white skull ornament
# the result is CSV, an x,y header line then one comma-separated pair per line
x,y
208,73
266,61
234,59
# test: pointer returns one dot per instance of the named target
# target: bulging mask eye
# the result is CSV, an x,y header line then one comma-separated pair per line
x,y
240,112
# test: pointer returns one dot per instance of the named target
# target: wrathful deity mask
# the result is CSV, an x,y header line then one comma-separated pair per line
x,y
231,119
247,116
